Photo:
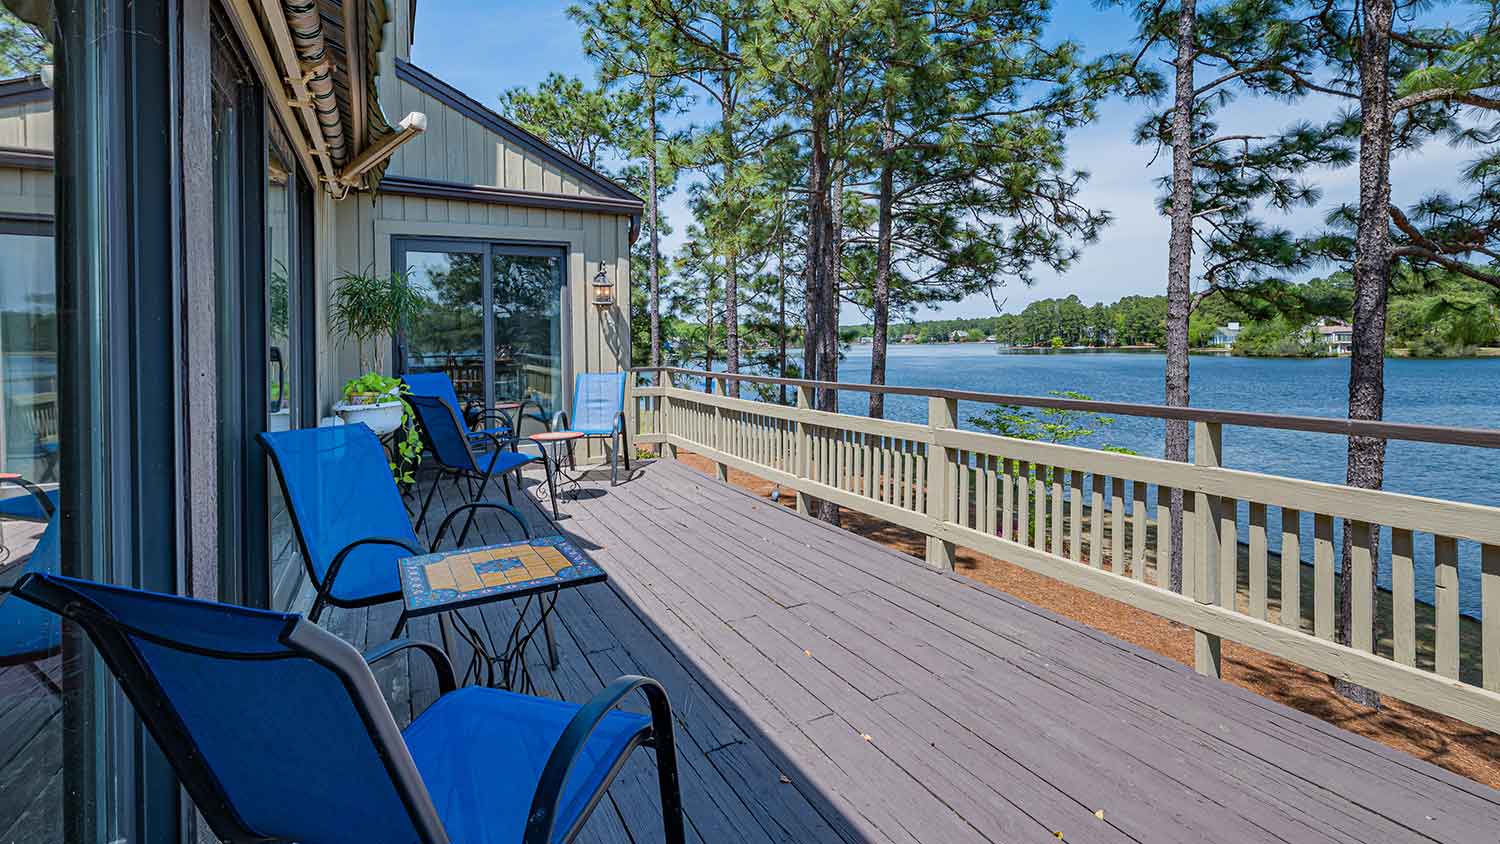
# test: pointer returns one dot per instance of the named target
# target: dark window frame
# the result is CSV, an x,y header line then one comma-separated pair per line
x,y
401,244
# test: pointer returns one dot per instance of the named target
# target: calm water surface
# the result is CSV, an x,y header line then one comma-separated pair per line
x,y
1464,393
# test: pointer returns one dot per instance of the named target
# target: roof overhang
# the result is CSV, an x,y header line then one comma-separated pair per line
x,y
318,60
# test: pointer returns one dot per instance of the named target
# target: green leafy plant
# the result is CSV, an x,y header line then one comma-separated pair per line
x,y
375,388
366,307
372,387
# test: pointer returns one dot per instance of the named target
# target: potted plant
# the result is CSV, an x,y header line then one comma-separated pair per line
x,y
366,308
374,400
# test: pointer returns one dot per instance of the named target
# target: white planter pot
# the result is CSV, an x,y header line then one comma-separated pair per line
x,y
381,417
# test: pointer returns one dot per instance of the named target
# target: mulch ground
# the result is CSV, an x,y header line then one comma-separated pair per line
x,y
1461,748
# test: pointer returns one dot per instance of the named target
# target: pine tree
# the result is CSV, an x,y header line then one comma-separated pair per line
x,y
1219,183
631,48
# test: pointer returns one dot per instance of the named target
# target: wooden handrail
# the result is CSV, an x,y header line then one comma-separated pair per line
x,y
1441,434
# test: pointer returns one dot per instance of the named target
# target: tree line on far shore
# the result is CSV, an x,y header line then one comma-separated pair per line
x,y
1436,314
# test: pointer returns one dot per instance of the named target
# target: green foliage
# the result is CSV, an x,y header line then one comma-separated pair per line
x,y
23,49
1279,337
1048,424
376,388
366,307
583,121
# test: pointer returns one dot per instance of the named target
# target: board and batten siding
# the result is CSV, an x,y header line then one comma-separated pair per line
x,y
26,126
596,339
457,149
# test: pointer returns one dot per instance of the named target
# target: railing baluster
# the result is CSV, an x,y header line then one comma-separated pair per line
x,y
1445,580
1489,608
991,493
1291,568
1023,496
1403,599
1323,584
1362,589
1039,508
1117,524
1096,522
1057,510
1138,494
964,510
1259,564
1007,498
1164,536
1075,516
1229,553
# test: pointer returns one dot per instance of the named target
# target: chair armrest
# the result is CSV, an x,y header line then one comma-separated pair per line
x,y
437,538
343,554
512,440
559,421
576,735
35,491
447,681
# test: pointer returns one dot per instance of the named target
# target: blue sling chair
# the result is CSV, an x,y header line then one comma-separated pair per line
x,y
28,633
279,732
463,456
350,522
598,412
474,415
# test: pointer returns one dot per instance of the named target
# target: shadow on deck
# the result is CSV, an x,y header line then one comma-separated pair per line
x,y
828,688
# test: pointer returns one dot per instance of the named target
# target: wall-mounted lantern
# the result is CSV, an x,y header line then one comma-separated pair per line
x,y
604,290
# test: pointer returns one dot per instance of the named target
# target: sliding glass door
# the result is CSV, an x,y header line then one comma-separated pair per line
x,y
514,353
526,326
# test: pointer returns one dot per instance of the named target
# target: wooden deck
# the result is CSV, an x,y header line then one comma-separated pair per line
x,y
830,689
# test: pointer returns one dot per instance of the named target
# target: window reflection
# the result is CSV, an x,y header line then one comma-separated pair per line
x,y
31,715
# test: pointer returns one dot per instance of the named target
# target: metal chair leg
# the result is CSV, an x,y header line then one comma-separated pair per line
x,y
427,503
551,474
614,459
551,645
666,767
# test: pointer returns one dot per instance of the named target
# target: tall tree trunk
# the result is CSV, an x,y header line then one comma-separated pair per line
x,y
821,292
652,216
1180,266
732,256
781,300
880,316
1372,276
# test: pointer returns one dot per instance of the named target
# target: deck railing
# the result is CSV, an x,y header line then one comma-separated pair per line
x,y
1085,517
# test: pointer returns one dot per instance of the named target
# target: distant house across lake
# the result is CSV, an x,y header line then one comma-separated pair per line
x,y
1224,336
1338,337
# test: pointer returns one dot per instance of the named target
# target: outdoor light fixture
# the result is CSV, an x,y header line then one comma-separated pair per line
x,y
604,291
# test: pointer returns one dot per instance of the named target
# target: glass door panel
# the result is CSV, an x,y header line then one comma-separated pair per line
x,y
447,335
526,307
284,393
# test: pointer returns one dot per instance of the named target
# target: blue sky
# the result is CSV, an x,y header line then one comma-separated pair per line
x,y
486,47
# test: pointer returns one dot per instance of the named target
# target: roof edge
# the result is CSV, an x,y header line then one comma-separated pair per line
x,y
492,120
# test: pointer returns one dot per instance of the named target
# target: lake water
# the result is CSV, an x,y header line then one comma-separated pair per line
x,y
1463,393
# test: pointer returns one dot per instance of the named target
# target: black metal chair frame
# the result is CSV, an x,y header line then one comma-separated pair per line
x,y
305,639
479,481
619,444
324,589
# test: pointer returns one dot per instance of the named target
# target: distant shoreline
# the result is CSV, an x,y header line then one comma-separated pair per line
x,y
1485,352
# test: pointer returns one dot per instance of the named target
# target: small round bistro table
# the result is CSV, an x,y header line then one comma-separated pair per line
x,y
555,445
